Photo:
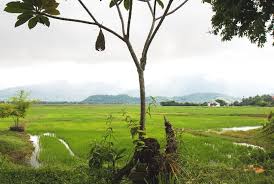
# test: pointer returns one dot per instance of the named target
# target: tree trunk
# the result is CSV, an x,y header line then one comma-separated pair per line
x,y
143,100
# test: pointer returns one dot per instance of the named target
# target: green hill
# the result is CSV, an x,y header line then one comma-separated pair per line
x,y
126,99
111,99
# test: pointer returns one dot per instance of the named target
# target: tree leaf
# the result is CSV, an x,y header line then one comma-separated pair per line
x,y
37,3
14,7
49,4
13,10
134,131
207,1
14,4
28,2
18,7
160,2
33,22
127,4
23,18
112,3
52,11
45,20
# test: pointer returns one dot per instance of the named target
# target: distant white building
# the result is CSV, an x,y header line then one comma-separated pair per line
x,y
213,104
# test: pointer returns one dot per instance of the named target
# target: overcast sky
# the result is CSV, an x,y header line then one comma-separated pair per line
x,y
184,57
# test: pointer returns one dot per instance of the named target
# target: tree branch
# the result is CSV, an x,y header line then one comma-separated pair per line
x,y
144,53
121,17
173,11
154,8
87,10
85,22
161,22
150,8
133,55
129,18
152,35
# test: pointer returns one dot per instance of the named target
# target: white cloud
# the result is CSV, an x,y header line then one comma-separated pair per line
x,y
184,58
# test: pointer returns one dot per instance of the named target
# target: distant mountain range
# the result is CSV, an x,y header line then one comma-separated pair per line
x,y
125,99
61,91
111,99
88,93
204,97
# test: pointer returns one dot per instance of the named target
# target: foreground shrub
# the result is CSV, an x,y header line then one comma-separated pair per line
x,y
104,155
47,176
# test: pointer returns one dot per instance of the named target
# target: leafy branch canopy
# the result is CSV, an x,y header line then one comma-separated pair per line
x,y
253,19
32,11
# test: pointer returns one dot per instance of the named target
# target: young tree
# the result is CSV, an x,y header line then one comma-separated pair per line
x,y
16,108
232,17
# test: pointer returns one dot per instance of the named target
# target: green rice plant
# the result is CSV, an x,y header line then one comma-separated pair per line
x,y
205,158
53,153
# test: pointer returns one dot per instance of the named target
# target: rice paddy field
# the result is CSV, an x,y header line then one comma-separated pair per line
x,y
209,155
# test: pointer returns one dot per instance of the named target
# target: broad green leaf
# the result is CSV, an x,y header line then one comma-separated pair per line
x,y
49,4
23,18
52,11
207,1
28,2
18,7
127,4
23,15
134,131
33,22
14,7
14,4
113,2
160,2
45,20
27,6
37,3
13,10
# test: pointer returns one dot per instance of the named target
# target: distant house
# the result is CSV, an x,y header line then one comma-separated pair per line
x,y
213,104
272,97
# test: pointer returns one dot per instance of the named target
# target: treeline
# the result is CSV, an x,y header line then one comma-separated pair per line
x,y
173,103
58,103
263,101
